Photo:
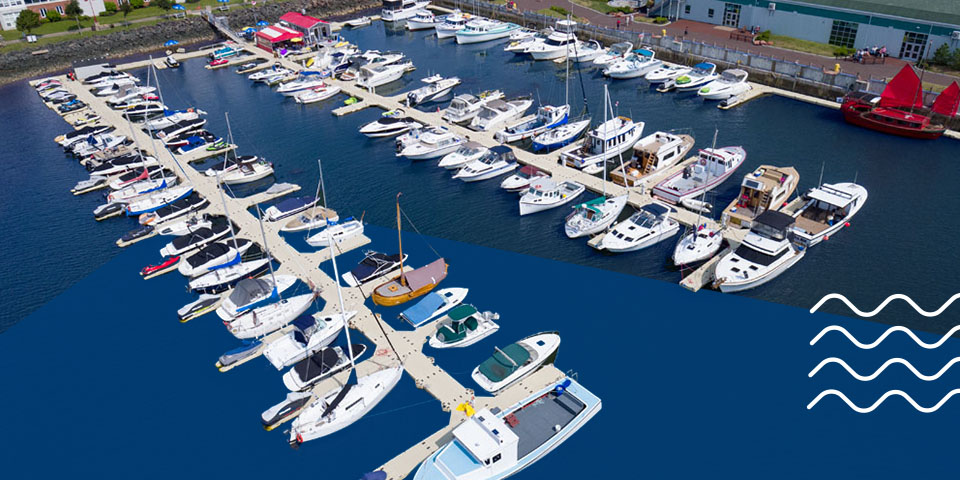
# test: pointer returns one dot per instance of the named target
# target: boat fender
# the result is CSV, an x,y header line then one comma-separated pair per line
x,y
846,224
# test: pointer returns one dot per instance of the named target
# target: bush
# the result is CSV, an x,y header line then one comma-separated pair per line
x,y
626,10
109,8
660,20
941,56
193,1
842,51
53,16
560,10
28,20
164,4
136,3
764,36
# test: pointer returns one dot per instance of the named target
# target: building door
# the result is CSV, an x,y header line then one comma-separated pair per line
x,y
913,46
731,15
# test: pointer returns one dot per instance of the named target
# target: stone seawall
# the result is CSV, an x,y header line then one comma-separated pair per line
x,y
22,64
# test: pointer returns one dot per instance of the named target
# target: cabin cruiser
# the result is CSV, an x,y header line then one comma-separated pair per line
x,y
667,71
389,124
171,118
523,39
432,143
730,84
289,207
373,266
315,217
497,161
67,140
436,87
128,94
495,114
654,153
766,188
423,19
558,44
372,76
546,193
156,200
309,335
515,361
823,211
248,172
584,52
262,75
219,228
521,180
615,53
547,117
265,319
638,64
451,24
607,141
396,10
484,30
593,216
700,75
213,257
316,94
465,106
648,226
229,164
765,253
463,326
494,444
467,153
336,232
307,80
179,208
183,126
323,364
341,407
713,166
220,280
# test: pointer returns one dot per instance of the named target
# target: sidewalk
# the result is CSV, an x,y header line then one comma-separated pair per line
x,y
714,34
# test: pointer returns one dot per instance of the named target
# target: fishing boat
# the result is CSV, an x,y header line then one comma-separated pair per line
x,y
467,153
648,226
336,231
451,24
465,106
317,94
899,110
654,153
766,188
247,172
436,87
546,193
521,180
219,228
179,208
729,84
481,30
765,252
389,124
396,10
515,361
157,200
558,44
463,326
373,266
593,216
495,114
377,75
315,217
309,335
615,53
306,80
666,71
825,210
323,364
432,305
497,161
548,116
713,166
433,143
289,207
358,22
222,279
423,19
641,62
251,293
700,75
412,284
268,318
213,257
495,444
608,140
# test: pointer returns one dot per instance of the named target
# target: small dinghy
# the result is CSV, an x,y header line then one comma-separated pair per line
x,y
326,362
463,327
174,210
263,320
314,218
221,280
310,334
337,231
283,411
218,228
203,305
433,305
248,350
373,266
213,257
515,361
289,207
251,293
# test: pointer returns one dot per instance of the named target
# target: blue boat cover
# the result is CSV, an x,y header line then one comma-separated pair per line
x,y
304,322
644,52
378,475
417,315
235,261
704,66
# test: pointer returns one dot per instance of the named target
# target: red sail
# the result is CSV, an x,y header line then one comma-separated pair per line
x,y
948,101
903,91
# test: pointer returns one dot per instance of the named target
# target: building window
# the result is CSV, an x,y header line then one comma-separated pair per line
x,y
686,9
60,9
913,46
843,34
43,13
710,12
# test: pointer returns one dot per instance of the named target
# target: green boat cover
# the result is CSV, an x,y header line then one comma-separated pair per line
x,y
459,327
592,204
496,368
461,311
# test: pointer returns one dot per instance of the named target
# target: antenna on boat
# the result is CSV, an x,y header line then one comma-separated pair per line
x,y
855,175
820,182
320,189
703,194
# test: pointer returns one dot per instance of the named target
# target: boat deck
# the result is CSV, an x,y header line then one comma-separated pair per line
x,y
534,424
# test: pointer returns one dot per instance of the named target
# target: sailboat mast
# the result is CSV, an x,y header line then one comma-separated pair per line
x,y
157,83
336,280
703,193
400,240
320,188
919,93
566,78
223,198
263,233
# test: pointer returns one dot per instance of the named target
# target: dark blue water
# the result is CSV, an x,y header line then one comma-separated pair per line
x,y
103,379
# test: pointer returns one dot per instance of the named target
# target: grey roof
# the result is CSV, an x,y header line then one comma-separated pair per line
x,y
939,11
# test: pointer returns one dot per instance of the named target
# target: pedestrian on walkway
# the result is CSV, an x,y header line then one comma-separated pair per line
x,y
684,31
618,24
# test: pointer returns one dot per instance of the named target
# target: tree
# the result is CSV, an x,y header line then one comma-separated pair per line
x,y
27,20
73,9
53,16
136,3
941,56
126,8
109,8
164,4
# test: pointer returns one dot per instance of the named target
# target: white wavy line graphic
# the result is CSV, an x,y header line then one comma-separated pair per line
x,y
867,378
876,404
896,296
898,328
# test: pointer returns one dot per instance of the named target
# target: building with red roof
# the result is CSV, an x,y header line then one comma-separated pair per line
x,y
275,37
312,29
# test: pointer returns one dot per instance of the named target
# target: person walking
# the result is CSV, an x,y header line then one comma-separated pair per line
x,y
618,24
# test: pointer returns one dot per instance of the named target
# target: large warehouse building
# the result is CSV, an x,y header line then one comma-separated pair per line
x,y
910,29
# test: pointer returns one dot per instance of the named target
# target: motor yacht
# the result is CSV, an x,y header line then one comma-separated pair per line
x,y
433,143
484,30
700,75
451,24
497,161
512,363
558,44
465,107
548,116
653,153
309,335
593,216
317,94
520,181
765,252
494,115
766,188
423,19
377,75
436,87
608,140
637,64
214,257
731,83
648,226
336,232
666,71
389,124
825,210
713,166
615,53
467,153
396,10
307,80
463,326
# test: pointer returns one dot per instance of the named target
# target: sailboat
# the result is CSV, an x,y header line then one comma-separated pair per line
x,y
341,407
560,135
597,214
409,285
700,242
895,110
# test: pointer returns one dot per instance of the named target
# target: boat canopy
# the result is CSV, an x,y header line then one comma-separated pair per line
x,y
250,289
592,204
461,312
293,203
705,66
777,220
948,101
463,322
904,90
501,150
656,209
317,364
504,362
417,315
432,273
837,198
644,52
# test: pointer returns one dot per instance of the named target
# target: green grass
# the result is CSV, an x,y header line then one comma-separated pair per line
x,y
47,28
805,46
555,14
598,5
44,42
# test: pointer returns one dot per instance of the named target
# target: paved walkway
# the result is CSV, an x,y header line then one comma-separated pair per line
x,y
708,33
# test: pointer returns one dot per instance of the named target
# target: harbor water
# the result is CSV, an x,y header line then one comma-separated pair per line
x,y
105,381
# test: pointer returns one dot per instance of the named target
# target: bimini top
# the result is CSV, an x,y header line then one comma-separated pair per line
x,y
501,150
705,66
656,209
504,362
776,220
831,194
644,52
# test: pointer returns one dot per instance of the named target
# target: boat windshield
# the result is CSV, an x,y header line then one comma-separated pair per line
x,y
488,113
768,231
644,219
